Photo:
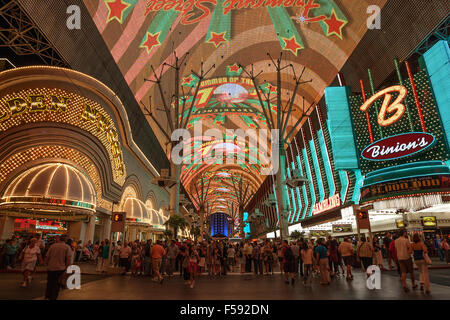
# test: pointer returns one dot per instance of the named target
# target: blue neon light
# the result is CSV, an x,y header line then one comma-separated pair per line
x,y
316,165
299,200
305,195
326,158
291,199
310,178
343,176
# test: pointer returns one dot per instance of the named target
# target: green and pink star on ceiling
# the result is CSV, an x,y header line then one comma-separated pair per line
x,y
325,12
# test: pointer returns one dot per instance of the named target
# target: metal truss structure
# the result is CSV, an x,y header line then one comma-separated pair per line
x,y
20,34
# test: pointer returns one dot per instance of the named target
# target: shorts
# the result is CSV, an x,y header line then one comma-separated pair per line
x,y
30,265
123,262
406,266
389,254
192,268
289,267
156,263
348,260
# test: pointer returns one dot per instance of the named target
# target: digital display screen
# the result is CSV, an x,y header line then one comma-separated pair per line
x,y
400,224
429,221
30,225
142,36
342,228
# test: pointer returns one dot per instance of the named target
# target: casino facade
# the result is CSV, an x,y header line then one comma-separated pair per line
x,y
381,151
68,159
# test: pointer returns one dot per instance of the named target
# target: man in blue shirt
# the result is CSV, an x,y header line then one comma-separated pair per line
x,y
320,253
10,254
437,246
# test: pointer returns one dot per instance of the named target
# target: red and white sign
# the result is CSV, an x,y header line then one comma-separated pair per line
x,y
327,204
398,146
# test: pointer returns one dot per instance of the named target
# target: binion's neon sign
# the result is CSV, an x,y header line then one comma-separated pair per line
x,y
396,107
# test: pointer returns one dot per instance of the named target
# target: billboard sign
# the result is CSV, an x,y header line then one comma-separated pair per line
x,y
342,228
398,125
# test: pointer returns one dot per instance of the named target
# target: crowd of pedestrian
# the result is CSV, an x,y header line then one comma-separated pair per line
x,y
304,259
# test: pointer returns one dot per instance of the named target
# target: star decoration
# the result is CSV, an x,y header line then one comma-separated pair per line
x,y
334,25
234,68
272,89
116,9
291,45
151,41
301,19
187,80
217,38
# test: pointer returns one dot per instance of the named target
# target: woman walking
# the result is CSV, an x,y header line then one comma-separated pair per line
x,y
192,268
280,258
378,253
136,261
29,256
420,251
307,258
268,258
364,253
241,257
333,257
288,262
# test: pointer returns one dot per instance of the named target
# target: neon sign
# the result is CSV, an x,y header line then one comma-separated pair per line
x,y
194,11
327,204
386,107
398,146
35,105
105,125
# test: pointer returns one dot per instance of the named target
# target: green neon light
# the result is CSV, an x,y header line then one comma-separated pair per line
x,y
326,158
316,165
310,178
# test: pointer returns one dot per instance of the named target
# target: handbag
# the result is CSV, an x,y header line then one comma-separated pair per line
x,y
427,259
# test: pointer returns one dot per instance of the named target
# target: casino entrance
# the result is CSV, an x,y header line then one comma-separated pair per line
x,y
49,199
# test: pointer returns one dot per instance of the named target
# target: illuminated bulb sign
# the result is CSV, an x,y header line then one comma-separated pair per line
x,y
57,105
327,204
397,146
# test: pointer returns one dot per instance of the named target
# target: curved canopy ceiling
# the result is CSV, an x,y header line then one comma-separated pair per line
x,y
142,35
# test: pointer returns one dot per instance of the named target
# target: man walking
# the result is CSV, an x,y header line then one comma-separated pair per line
x,y
296,251
387,242
346,251
438,247
364,253
322,260
157,252
147,258
404,251
172,253
248,256
58,258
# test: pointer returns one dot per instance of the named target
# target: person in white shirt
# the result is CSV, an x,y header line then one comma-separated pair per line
x,y
29,256
230,253
117,249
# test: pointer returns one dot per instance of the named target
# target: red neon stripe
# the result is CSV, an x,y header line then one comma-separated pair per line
x,y
416,97
367,112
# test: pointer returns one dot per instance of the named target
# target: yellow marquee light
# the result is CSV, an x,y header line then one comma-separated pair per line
x,y
386,107
57,105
